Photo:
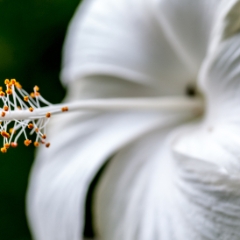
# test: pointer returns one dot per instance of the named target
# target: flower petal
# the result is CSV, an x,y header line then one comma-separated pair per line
x,y
150,192
121,38
62,174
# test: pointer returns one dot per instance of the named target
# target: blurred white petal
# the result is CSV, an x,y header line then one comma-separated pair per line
x,y
162,183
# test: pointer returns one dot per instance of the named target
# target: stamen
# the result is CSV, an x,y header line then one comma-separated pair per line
x,y
27,142
64,109
14,144
3,150
32,111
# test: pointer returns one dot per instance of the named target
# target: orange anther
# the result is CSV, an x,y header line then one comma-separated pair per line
x,y
5,108
36,144
9,85
30,126
5,134
44,136
7,145
64,109
36,88
32,94
1,88
9,91
27,142
48,115
37,94
13,81
36,130
3,150
12,130
31,109
47,145
3,114
2,94
25,98
6,81
14,144
18,85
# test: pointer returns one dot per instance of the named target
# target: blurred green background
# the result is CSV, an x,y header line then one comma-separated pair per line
x,y
31,38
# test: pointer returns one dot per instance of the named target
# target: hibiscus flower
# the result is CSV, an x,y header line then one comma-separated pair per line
x,y
148,175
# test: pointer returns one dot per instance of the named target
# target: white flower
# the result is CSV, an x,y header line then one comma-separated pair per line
x,y
171,176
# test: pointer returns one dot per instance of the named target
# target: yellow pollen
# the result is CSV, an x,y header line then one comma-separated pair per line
x,y
27,142
12,130
36,88
7,145
6,81
25,98
31,109
9,91
3,150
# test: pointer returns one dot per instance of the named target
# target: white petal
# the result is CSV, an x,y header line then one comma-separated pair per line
x,y
62,174
121,38
98,45
188,26
150,192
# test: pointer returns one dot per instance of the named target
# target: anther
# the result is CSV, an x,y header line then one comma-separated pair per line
x,y
13,81
32,94
6,81
44,136
5,108
14,144
1,88
47,145
36,130
2,94
36,144
5,134
36,88
26,98
3,114
27,142
12,130
18,85
3,150
64,109
7,145
48,115
9,91
30,126
31,109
